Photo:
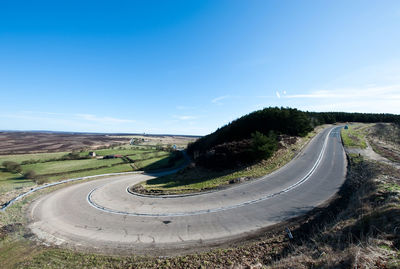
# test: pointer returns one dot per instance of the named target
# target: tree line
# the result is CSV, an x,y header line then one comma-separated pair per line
x,y
319,118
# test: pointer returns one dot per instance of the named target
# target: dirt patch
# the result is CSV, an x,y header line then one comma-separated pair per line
x,y
10,228
385,140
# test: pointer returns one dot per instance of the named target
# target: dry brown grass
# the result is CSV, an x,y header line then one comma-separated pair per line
x,y
35,142
351,233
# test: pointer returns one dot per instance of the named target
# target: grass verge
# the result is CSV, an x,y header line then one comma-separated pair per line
x,y
354,136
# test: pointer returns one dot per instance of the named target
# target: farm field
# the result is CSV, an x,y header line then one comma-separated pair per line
x,y
70,165
33,156
55,166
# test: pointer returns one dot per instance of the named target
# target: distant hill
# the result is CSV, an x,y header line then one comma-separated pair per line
x,y
95,133
255,136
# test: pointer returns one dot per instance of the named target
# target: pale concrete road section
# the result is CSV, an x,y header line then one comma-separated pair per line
x,y
102,216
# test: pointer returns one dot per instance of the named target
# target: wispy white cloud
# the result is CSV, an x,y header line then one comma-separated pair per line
x,y
184,107
371,91
218,100
277,94
184,117
371,98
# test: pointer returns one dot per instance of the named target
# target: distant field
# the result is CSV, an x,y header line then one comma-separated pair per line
x,y
53,166
180,141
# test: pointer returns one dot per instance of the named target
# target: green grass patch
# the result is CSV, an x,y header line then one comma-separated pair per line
x,y
165,163
385,247
35,156
392,187
119,150
354,136
153,161
48,166
123,167
355,158
69,165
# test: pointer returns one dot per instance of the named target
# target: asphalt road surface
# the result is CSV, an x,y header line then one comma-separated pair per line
x,y
102,216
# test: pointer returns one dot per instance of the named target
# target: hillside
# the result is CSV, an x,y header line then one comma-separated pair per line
x,y
255,136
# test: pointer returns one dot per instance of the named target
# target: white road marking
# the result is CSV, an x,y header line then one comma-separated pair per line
x,y
298,183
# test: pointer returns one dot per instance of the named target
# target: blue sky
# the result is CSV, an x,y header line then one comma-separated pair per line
x,y
189,67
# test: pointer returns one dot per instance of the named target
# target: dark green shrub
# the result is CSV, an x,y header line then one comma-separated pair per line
x,y
12,167
31,161
30,174
263,146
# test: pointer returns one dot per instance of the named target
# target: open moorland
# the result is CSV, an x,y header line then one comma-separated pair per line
x,y
46,142
38,142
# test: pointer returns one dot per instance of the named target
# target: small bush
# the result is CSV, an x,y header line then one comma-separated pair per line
x,y
12,167
30,174
31,161
39,181
73,156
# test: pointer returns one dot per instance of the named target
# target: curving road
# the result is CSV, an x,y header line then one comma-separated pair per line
x,y
102,215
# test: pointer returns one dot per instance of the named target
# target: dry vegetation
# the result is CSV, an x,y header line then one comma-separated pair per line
x,y
42,142
36,142
385,140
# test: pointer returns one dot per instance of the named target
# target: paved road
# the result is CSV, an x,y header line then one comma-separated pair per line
x,y
102,216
